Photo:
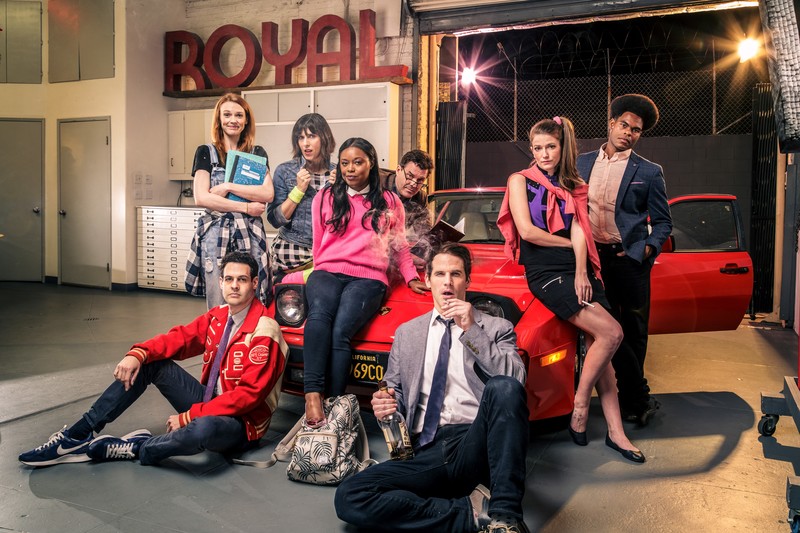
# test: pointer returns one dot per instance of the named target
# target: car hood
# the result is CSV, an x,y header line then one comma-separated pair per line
x,y
492,273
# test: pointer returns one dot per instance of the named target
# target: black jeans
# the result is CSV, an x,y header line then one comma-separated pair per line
x,y
338,306
181,389
431,491
627,285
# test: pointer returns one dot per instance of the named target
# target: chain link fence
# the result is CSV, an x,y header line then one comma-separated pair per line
x,y
685,101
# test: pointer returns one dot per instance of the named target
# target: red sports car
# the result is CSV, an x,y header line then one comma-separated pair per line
x,y
701,281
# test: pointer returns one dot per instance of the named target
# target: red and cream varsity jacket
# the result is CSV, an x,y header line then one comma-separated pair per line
x,y
250,374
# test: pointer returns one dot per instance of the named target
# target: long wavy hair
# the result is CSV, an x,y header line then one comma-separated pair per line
x,y
374,217
247,139
568,176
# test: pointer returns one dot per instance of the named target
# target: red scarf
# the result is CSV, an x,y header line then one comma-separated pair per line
x,y
576,203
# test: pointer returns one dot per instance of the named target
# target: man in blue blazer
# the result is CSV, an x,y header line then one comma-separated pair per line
x,y
475,434
625,190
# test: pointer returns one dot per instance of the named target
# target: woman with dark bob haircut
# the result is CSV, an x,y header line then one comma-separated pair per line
x,y
357,225
297,182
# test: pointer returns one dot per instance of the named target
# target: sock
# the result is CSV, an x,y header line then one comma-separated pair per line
x,y
80,430
502,519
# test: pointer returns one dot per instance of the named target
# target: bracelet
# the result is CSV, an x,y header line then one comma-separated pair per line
x,y
247,208
296,195
409,281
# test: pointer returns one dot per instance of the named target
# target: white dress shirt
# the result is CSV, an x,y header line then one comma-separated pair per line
x,y
460,404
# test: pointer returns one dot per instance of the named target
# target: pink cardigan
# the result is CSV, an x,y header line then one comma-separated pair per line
x,y
360,252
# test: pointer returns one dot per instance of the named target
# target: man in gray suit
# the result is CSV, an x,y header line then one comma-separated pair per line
x,y
625,190
467,431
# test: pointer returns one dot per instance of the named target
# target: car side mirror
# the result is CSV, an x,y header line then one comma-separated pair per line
x,y
669,245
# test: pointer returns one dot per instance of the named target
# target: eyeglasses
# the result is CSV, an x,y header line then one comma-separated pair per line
x,y
417,182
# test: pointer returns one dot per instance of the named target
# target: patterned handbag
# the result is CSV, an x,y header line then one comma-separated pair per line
x,y
327,454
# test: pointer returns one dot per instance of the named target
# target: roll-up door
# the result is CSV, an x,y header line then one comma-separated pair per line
x,y
449,16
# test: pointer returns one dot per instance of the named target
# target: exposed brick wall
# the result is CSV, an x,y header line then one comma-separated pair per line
x,y
205,16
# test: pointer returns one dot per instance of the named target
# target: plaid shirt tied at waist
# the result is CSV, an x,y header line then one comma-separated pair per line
x,y
237,232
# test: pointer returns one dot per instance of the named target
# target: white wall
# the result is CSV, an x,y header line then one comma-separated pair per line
x,y
146,115
92,98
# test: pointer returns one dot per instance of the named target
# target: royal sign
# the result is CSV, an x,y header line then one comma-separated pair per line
x,y
203,61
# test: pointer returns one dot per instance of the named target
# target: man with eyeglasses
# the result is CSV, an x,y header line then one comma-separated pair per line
x,y
625,190
410,183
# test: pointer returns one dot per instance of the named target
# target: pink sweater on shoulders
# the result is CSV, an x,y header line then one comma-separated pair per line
x,y
360,252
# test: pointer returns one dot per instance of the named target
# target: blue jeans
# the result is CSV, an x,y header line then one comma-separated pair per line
x,y
431,491
338,306
215,433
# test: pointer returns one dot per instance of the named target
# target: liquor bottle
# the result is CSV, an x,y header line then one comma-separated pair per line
x,y
395,431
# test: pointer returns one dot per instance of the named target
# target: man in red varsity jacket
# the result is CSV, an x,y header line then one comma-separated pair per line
x,y
244,356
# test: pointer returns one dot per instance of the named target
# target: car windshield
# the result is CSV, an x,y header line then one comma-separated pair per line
x,y
474,214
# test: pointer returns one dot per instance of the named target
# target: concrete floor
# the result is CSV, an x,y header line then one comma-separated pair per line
x,y
707,469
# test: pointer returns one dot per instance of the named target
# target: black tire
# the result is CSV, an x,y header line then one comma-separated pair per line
x,y
767,425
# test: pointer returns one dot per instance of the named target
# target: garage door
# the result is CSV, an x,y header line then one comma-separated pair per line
x,y
449,16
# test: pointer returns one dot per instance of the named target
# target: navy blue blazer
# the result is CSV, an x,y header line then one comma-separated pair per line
x,y
642,193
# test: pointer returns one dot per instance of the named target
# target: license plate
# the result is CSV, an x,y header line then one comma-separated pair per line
x,y
368,367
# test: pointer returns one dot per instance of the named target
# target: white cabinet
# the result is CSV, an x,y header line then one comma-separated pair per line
x,y
186,131
368,110
164,238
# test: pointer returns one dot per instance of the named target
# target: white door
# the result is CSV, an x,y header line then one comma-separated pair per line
x,y
21,161
84,171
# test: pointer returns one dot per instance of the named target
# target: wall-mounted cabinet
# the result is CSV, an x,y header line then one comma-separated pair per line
x,y
369,110
186,131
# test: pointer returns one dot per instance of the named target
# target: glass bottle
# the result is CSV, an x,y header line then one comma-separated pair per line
x,y
395,431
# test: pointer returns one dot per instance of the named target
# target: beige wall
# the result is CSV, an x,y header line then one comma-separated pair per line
x,y
138,112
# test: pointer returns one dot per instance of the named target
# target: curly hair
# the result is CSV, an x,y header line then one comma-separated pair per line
x,y
638,104
341,201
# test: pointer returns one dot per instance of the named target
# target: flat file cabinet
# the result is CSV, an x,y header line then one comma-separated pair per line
x,y
165,237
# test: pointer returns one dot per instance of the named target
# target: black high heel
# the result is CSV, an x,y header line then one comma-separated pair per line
x,y
630,455
578,437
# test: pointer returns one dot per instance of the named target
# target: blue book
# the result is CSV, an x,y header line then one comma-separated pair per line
x,y
245,169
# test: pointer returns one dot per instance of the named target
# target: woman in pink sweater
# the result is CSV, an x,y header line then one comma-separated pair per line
x,y
356,225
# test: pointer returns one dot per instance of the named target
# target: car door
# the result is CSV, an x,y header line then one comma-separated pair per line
x,y
703,279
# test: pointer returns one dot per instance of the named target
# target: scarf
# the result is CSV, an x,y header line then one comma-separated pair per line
x,y
576,203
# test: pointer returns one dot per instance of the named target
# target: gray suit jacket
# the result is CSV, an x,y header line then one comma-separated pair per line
x,y
490,344
642,194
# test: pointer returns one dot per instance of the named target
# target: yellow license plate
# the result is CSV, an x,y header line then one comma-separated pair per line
x,y
368,368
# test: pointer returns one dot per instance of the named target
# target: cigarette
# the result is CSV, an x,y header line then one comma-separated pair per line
x,y
584,302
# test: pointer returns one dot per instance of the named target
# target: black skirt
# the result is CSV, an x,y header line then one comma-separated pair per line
x,y
556,290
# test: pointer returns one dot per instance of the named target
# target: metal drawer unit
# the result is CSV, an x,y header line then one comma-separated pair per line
x,y
164,235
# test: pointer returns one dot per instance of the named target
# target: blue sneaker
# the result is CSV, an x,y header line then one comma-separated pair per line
x,y
58,449
109,448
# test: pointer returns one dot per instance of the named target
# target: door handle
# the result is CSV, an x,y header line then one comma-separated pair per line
x,y
733,268
36,210
62,212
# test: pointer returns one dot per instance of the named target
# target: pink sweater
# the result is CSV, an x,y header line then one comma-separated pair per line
x,y
360,252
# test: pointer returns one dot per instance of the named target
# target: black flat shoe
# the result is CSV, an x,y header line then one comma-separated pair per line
x,y
578,437
630,455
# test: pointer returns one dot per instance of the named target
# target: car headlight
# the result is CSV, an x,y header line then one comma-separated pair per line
x,y
290,305
495,305
488,306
